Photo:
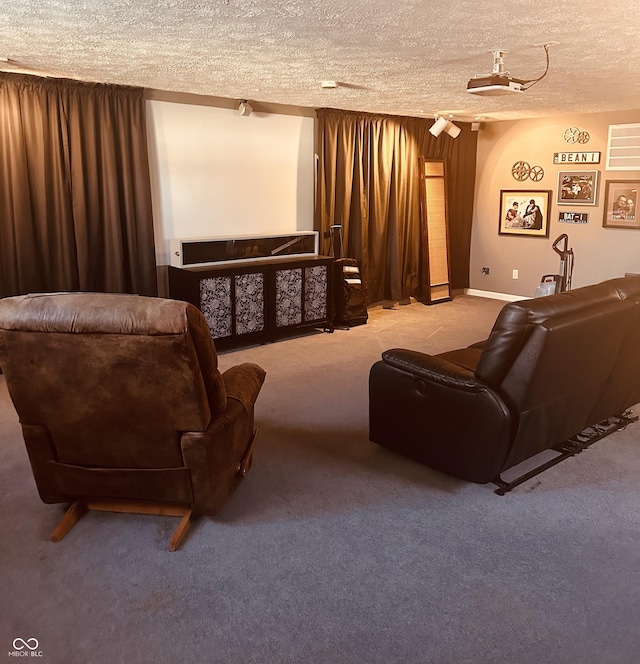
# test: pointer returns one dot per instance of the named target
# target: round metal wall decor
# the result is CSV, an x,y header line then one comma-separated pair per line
x,y
536,173
520,170
574,135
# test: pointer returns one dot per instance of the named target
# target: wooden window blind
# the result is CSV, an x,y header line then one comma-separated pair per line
x,y
436,231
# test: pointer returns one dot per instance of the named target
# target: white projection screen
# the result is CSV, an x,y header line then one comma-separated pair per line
x,y
217,173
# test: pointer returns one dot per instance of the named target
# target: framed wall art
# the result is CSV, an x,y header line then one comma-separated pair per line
x,y
524,212
577,187
620,203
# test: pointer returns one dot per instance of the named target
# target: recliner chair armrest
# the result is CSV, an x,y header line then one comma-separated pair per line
x,y
214,456
433,369
437,412
243,382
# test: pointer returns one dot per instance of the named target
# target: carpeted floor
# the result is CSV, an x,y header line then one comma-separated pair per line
x,y
334,550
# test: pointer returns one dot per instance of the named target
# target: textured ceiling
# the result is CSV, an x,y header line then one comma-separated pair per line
x,y
406,57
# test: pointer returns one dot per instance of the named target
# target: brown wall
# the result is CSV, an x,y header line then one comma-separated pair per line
x,y
600,253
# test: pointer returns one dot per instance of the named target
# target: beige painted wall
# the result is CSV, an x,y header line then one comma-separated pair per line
x,y
600,253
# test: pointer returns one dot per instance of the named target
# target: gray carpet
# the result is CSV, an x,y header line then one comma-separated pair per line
x,y
334,550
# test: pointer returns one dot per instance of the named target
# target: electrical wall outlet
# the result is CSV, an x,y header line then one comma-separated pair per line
x,y
485,271
515,274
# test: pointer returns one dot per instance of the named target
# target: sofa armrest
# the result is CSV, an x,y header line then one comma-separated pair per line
x,y
244,382
438,413
215,455
433,369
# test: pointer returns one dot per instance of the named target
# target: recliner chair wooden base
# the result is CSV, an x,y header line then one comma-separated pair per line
x,y
78,509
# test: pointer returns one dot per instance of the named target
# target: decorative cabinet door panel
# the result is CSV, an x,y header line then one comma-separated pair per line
x,y
249,300
288,297
215,304
301,295
315,293
260,299
234,304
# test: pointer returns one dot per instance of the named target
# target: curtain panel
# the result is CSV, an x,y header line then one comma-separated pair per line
x,y
75,191
369,183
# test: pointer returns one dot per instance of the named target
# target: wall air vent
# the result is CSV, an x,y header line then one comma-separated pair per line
x,y
623,147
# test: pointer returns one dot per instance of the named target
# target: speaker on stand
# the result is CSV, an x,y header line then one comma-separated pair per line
x,y
349,304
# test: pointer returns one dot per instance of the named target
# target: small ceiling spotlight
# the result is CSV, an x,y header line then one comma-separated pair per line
x,y
438,126
452,130
245,108
442,124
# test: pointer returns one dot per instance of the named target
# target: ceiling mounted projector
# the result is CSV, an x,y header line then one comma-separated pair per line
x,y
499,82
494,86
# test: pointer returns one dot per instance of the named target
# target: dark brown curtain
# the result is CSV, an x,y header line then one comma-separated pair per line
x,y
75,192
368,181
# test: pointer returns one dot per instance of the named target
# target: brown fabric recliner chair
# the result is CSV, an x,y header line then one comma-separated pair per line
x,y
122,405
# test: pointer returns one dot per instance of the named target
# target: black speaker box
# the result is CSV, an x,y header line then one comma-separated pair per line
x,y
350,307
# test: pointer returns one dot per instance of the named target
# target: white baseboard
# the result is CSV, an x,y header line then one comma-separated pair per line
x,y
495,296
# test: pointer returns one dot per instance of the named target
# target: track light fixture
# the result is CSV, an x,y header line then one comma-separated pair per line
x,y
442,124
245,108
438,126
452,130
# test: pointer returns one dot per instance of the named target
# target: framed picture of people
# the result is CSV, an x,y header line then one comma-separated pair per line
x,y
620,203
577,187
524,212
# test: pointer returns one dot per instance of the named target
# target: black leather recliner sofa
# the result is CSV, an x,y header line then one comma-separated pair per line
x,y
551,368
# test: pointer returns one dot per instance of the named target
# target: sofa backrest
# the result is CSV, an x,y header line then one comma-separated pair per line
x,y
626,286
517,320
113,378
564,362
561,373
623,388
